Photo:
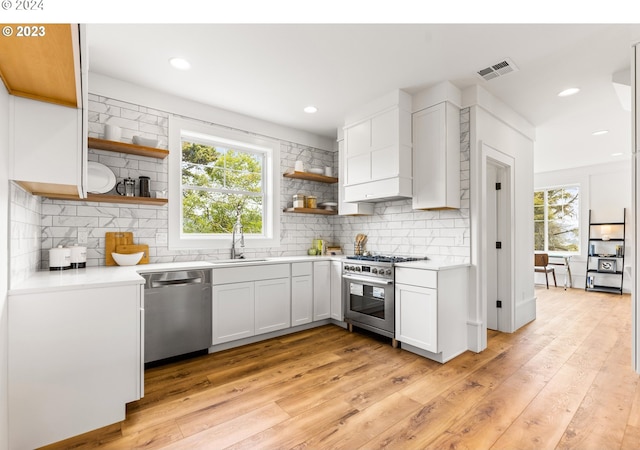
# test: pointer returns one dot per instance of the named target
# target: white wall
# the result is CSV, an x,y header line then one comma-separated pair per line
x,y
495,125
605,189
4,256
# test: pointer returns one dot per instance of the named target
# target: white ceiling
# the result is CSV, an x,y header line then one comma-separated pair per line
x,y
272,71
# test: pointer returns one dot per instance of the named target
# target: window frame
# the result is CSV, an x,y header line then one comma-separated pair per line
x,y
201,131
546,219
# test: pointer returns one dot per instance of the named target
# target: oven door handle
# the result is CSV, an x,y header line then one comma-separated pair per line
x,y
368,280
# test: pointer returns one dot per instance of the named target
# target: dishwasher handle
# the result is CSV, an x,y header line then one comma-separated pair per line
x,y
183,282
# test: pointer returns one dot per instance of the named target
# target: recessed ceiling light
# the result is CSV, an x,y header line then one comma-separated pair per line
x,y
600,132
617,154
310,109
568,92
180,63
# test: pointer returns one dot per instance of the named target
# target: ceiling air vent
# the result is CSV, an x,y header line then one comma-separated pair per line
x,y
497,70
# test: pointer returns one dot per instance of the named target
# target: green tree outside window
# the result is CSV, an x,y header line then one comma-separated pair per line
x,y
216,180
556,215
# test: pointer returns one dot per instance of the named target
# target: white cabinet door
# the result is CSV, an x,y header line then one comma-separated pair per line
x,y
46,151
417,316
272,305
74,361
321,290
233,311
385,160
344,208
301,300
337,311
436,157
358,153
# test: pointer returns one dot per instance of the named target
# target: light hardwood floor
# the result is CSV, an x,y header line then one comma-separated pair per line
x,y
562,381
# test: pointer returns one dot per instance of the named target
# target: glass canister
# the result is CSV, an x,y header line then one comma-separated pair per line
x,y
298,201
312,201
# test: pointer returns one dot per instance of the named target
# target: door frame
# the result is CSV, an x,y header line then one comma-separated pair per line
x,y
490,155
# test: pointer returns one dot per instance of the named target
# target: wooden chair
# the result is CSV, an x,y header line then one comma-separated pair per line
x,y
541,265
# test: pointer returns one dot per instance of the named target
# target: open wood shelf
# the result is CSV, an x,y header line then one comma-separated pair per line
x,y
111,199
310,177
326,212
124,147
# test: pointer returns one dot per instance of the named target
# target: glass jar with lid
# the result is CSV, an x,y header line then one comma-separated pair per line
x,y
298,201
312,201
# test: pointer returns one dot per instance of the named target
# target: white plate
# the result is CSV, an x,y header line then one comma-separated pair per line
x,y
316,171
328,204
100,178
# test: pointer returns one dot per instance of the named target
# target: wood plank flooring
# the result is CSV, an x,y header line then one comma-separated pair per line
x,y
562,381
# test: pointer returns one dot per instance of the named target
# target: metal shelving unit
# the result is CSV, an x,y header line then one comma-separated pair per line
x,y
605,270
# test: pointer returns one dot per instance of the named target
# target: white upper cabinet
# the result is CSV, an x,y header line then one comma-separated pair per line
x,y
47,141
344,208
377,150
45,147
436,157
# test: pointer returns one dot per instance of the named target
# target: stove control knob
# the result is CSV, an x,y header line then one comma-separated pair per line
x,y
358,269
374,271
350,267
388,272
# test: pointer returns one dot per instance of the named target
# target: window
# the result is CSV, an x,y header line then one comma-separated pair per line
x,y
556,213
213,174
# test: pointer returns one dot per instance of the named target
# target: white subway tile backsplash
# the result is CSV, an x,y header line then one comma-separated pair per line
x,y
395,227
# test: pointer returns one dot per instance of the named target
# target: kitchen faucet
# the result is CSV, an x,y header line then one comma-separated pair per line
x,y
237,253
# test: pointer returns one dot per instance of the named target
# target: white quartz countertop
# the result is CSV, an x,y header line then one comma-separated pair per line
x,y
431,265
92,277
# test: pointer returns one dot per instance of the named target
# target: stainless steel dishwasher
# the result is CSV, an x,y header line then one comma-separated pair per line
x,y
177,313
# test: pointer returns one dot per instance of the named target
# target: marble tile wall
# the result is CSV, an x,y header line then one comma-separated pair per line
x,y
394,227
24,232
62,220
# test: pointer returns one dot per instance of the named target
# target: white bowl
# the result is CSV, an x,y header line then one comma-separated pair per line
x,y
128,259
147,142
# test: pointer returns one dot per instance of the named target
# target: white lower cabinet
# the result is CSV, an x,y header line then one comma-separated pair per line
x,y
417,316
273,304
337,311
431,311
301,293
233,311
75,360
321,290
250,300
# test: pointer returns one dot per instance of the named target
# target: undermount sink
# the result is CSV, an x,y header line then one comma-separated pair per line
x,y
232,261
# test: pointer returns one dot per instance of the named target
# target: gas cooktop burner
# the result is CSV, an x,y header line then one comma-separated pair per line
x,y
386,259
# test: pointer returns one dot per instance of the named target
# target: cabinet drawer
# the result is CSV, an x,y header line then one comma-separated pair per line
x,y
227,275
381,189
417,277
302,268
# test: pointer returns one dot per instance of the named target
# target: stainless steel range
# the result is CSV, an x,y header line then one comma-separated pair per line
x,y
370,293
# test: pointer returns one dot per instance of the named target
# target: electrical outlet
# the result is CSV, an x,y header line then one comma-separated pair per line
x,y
83,236
161,238
460,237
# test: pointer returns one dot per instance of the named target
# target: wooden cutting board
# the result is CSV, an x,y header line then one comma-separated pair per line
x,y
135,248
112,240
